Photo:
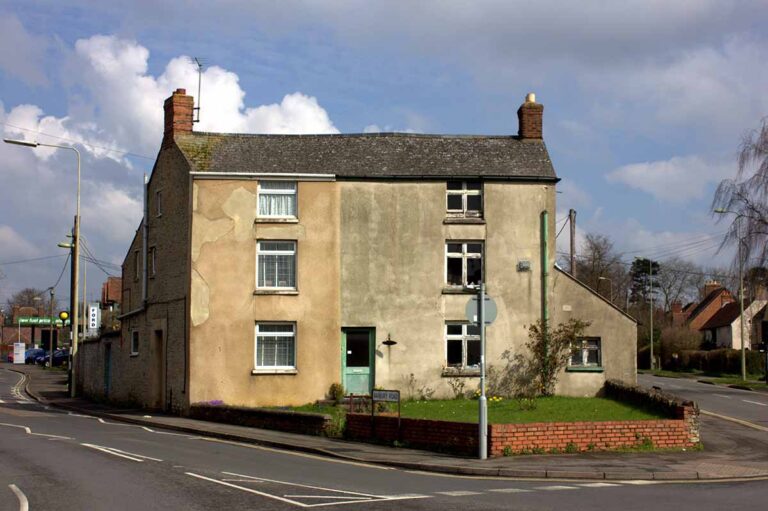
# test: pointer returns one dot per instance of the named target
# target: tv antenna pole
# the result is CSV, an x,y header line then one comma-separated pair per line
x,y
196,110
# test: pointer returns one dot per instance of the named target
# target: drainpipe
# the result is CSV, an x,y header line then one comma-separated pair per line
x,y
545,280
145,236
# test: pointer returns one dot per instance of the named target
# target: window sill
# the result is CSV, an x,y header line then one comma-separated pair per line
x,y
276,220
578,369
273,371
450,372
449,290
464,220
286,292
133,355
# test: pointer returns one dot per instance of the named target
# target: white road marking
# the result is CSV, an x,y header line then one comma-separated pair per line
x,y
249,490
122,454
2,402
458,493
597,485
357,493
335,497
510,490
722,396
638,482
30,432
754,402
23,502
556,488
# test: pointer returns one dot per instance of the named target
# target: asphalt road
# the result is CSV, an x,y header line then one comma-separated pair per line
x,y
746,405
59,460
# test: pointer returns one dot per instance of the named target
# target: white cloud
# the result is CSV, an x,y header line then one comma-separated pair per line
x,y
14,245
21,53
679,179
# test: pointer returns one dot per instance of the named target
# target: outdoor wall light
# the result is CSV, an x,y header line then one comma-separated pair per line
x,y
389,341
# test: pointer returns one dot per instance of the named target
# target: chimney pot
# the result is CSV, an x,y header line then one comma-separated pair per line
x,y
530,118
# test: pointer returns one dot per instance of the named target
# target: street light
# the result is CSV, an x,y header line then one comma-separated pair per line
x,y
739,216
75,252
610,285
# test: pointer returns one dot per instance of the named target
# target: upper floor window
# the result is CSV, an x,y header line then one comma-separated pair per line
x,y
586,352
277,199
135,342
464,263
276,267
159,203
152,261
464,198
136,268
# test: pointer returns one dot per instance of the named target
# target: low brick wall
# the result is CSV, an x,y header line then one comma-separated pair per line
x,y
680,430
281,420
440,436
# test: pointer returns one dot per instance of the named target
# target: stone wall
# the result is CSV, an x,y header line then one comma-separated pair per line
x,y
281,420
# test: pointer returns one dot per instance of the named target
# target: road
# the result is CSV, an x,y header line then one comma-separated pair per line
x,y
746,405
59,460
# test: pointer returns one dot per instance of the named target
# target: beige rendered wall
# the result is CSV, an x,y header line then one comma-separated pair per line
x,y
618,334
224,306
393,271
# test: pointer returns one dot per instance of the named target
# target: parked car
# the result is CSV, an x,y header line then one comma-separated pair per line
x,y
60,357
10,357
31,355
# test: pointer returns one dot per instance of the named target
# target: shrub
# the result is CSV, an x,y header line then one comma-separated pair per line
x,y
507,451
336,392
457,387
571,448
721,361
675,340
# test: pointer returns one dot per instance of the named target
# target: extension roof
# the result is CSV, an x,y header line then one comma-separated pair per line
x,y
376,155
724,317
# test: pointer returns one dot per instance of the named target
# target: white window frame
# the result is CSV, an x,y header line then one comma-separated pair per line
x,y
135,335
286,191
464,193
273,369
464,256
464,337
294,253
583,346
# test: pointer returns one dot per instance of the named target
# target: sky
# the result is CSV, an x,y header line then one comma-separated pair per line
x,y
646,103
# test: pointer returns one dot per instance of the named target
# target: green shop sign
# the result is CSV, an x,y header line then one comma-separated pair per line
x,y
40,321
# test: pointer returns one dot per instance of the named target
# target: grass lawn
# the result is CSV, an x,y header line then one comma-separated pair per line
x,y
548,409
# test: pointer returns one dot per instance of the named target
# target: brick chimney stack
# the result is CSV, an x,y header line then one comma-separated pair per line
x,y
178,115
710,286
529,118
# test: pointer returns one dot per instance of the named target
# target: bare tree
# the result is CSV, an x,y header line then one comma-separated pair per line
x,y
678,281
26,298
600,267
747,197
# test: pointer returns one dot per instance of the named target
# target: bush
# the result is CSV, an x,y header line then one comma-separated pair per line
x,y
675,340
336,392
722,361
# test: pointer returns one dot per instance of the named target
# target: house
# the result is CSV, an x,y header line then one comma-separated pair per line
x,y
724,328
268,267
715,298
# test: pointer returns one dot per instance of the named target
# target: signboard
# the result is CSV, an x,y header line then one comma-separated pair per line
x,y
19,350
39,321
94,318
490,310
389,396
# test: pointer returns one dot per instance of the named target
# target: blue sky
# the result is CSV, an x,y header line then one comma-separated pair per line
x,y
645,102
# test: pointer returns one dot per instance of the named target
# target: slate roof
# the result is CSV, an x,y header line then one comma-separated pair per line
x,y
377,155
723,317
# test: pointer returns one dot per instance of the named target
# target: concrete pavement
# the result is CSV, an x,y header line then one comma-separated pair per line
x,y
728,454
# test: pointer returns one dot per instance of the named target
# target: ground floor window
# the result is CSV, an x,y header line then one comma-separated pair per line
x,y
586,352
462,345
275,346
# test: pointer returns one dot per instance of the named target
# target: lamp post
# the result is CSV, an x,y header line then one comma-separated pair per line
x,y
75,253
739,216
610,285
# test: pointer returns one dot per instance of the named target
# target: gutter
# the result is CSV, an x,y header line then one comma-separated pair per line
x,y
263,175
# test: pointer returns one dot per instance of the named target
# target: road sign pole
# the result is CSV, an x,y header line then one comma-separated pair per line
x,y
483,432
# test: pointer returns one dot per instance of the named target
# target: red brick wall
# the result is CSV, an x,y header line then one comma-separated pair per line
x,y
441,436
461,437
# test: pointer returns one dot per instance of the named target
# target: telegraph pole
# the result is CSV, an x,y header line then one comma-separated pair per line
x,y
650,292
51,345
572,226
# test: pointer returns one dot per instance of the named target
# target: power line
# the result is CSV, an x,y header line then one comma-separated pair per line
x,y
62,273
109,149
20,261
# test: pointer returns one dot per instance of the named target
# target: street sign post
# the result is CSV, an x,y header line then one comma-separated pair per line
x,y
482,311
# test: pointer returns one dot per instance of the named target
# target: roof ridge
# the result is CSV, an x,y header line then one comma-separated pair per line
x,y
387,134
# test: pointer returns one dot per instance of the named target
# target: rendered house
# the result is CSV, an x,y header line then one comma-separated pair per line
x,y
268,267
724,328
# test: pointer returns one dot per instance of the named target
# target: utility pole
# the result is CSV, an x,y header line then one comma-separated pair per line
x,y
650,292
51,345
483,422
572,222
741,306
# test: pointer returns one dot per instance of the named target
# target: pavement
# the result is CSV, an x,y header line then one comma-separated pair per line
x,y
732,452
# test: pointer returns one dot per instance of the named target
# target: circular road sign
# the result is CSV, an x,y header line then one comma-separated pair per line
x,y
490,310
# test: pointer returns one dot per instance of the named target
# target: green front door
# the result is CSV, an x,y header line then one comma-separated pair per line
x,y
357,360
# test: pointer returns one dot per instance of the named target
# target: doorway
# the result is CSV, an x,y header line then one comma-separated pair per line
x,y
357,362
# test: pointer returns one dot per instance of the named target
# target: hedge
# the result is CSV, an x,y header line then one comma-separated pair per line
x,y
723,361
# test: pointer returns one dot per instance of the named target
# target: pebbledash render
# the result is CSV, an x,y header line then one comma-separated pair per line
x,y
268,267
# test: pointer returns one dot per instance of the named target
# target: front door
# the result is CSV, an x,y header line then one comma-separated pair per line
x,y
357,360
